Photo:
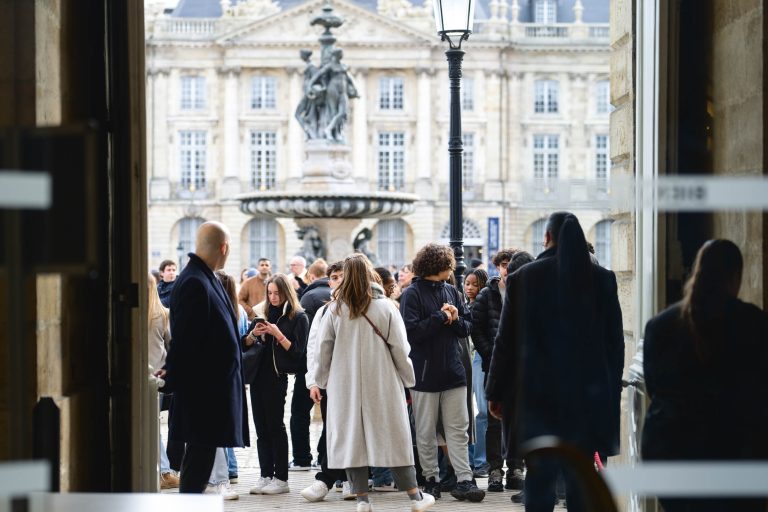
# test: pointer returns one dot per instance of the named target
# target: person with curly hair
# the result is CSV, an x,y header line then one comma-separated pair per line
x,y
436,318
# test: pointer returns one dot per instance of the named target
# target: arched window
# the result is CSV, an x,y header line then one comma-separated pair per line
x,y
603,242
187,233
390,242
262,241
537,236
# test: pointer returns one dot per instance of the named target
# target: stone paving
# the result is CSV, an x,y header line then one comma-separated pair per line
x,y
248,464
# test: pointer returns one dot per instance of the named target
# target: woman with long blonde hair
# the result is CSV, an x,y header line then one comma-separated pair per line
x,y
363,365
159,338
279,332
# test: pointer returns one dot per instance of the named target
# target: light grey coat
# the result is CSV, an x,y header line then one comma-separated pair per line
x,y
364,377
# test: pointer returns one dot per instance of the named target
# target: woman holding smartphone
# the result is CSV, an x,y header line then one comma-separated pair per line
x,y
280,329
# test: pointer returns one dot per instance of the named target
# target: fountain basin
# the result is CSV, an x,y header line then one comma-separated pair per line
x,y
328,204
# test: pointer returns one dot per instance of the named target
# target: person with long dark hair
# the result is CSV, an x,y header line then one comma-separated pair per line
x,y
705,364
558,358
362,362
280,330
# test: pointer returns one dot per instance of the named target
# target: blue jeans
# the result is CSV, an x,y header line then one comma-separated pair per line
x,y
481,420
231,462
165,465
381,476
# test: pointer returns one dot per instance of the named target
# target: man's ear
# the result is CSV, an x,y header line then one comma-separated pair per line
x,y
547,237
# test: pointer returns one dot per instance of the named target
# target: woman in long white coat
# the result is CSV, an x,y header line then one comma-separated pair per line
x,y
363,364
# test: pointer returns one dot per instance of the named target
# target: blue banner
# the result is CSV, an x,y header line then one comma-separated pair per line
x,y
493,244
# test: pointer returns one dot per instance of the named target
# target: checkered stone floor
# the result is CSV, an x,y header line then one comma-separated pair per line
x,y
248,468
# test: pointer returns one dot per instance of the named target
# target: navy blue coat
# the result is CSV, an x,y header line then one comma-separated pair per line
x,y
556,370
435,350
204,370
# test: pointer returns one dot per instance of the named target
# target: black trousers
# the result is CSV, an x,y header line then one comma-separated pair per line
x,y
196,468
325,475
268,404
301,405
541,484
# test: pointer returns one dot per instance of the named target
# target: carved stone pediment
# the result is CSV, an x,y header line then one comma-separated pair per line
x,y
361,26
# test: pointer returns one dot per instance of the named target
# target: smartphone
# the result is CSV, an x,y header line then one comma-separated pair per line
x,y
259,320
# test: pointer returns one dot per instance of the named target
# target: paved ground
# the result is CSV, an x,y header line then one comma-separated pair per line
x,y
248,463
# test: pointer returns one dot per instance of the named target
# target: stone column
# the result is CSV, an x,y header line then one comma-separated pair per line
x,y
424,186
491,95
158,143
295,154
359,135
231,182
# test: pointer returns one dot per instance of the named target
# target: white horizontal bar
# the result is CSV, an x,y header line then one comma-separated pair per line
x,y
22,477
21,190
704,478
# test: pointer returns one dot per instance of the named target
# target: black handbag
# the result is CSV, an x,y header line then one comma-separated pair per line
x,y
251,360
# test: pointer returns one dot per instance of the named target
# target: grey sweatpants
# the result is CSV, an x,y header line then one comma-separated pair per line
x,y
405,478
452,405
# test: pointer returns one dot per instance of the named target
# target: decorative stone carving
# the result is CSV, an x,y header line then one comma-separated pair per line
x,y
312,247
360,244
306,204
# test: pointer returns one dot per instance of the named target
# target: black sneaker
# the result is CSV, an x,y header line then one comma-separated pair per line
x,y
515,480
518,497
466,490
432,487
480,471
496,481
449,481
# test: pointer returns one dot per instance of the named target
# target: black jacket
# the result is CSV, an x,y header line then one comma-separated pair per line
x,y
435,350
556,369
270,355
204,364
707,409
315,296
486,315
164,290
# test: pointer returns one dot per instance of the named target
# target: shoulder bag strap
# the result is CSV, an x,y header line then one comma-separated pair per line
x,y
375,329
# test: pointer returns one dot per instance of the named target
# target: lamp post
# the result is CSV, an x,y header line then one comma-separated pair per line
x,y
454,20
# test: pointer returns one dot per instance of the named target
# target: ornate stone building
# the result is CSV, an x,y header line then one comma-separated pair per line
x,y
224,79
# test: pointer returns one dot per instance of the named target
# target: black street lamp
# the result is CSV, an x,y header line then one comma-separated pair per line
x,y
454,19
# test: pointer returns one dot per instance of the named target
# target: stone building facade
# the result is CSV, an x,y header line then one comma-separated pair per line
x,y
223,82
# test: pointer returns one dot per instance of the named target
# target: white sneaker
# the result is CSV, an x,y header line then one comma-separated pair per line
x,y
223,489
346,491
315,492
426,501
261,483
276,486
363,506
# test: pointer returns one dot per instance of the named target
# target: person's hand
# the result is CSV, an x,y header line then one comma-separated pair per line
x,y
161,373
260,329
495,409
451,313
272,329
315,395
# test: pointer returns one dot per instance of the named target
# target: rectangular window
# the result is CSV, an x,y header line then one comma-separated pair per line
x,y
468,94
192,93
468,162
390,93
263,146
545,11
390,246
601,162
546,160
545,97
192,156
603,97
263,93
391,161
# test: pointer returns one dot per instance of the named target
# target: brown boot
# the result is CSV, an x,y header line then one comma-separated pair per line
x,y
169,481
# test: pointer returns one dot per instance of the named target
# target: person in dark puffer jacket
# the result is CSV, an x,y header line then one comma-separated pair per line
x,y
486,315
435,319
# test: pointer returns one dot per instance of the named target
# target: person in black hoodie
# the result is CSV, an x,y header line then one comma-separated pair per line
x,y
435,319
485,322
279,332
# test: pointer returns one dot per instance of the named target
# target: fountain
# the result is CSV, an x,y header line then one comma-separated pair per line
x,y
328,206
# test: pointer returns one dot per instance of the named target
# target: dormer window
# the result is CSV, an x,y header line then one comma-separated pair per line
x,y
545,12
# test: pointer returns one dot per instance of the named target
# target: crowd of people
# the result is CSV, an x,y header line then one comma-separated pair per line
x,y
424,386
